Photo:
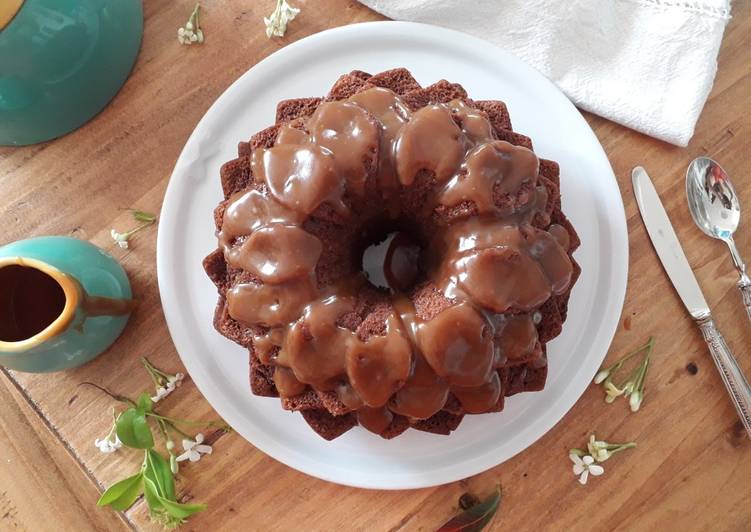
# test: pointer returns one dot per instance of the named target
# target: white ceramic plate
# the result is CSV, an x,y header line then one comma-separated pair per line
x,y
308,68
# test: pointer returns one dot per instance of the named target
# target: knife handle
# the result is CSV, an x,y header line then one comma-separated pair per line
x,y
731,373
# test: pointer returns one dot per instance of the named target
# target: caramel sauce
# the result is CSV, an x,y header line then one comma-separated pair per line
x,y
494,167
30,300
400,266
431,140
494,265
350,135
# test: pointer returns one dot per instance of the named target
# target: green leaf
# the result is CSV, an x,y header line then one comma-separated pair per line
x,y
181,511
159,472
133,429
476,517
123,494
145,403
153,500
143,216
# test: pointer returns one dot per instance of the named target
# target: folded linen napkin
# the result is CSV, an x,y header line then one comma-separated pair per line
x,y
646,64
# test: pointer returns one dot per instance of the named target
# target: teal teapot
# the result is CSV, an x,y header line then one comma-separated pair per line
x,y
63,301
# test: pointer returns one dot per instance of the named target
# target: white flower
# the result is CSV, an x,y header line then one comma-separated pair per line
x,y
635,400
161,393
164,391
108,445
191,32
176,379
598,449
585,466
601,376
612,391
194,449
120,238
276,23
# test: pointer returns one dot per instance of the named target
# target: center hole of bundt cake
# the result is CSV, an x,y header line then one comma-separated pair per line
x,y
391,260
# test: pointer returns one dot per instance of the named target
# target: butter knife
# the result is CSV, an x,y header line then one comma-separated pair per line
x,y
679,271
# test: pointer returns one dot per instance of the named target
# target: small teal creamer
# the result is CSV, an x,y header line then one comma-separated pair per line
x,y
97,303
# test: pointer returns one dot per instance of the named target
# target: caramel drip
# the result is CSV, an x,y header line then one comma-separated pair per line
x,y
269,305
431,140
458,345
379,366
279,253
376,420
479,251
350,135
561,236
246,212
265,345
286,383
400,266
494,168
300,177
349,396
474,124
316,346
423,394
517,337
392,114
488,263
480,398
289,134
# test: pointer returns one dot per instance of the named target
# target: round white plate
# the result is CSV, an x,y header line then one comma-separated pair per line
x,y
308,68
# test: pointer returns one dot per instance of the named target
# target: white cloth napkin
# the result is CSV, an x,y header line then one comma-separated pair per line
x,y
646,64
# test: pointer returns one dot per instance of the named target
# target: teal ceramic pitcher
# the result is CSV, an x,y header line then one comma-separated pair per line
x,y
61,62
63,301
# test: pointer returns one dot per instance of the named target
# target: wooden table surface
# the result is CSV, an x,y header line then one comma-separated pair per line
x,y
692,466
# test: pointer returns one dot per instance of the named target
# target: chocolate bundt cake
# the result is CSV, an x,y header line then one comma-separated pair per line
x,y
478,264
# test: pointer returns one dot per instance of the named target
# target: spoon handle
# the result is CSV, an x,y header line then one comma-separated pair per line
x,y
744,285
736,384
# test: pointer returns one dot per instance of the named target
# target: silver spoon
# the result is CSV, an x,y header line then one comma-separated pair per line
x,y
716,209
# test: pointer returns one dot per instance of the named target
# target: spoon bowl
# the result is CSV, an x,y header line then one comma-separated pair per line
x,y
716,209
712,200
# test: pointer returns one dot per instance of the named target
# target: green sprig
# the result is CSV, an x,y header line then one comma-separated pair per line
x,y
156,478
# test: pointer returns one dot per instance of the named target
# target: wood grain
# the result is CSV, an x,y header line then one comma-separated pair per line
x,y
43,487
690,470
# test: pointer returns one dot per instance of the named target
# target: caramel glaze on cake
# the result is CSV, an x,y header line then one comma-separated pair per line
x,y
480,268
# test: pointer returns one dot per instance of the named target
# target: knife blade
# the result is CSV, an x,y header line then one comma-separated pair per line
x,y
667,245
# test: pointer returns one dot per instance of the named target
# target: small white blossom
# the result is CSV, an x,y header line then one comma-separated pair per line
x,y
163,391
276,23
176,379
612,391
191,32
635,400
108,444
121,239
598,449
194,449
585,466
173,465
601,376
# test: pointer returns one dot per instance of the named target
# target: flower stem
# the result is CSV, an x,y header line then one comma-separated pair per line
x,y
194,16
129,234
188,421
114,396
617,365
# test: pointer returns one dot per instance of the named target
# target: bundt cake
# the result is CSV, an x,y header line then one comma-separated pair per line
x,y
479,262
